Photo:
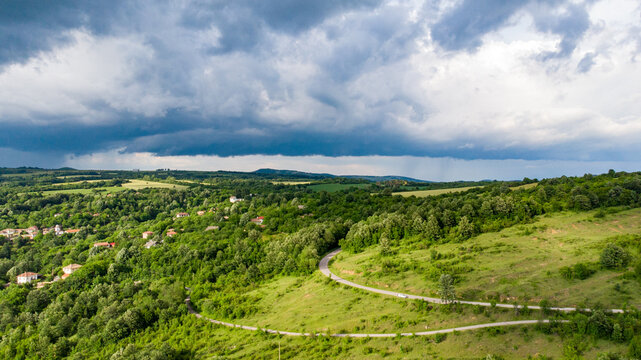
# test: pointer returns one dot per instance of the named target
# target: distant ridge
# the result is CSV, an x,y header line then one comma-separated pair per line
x,y
307,175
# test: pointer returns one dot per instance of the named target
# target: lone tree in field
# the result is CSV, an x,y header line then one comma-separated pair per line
x,y
614,257
446,288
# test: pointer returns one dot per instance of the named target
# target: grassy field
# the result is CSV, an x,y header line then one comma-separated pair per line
x,y
287,304
425,193
291,182
134,184
524,187
336,187
314,304
520,264
79,182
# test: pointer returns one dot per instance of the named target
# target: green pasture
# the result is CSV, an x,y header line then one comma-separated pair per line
x,y
517,265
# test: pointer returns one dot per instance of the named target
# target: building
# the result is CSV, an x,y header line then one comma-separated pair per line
x,y
71,231
182,214
147,234
233,199
70,269
201,213
27,277
10,233
212,227
104,244
171,233
150,244
258,221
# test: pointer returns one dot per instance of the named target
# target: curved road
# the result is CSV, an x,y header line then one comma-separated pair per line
x,y
387,335
324,268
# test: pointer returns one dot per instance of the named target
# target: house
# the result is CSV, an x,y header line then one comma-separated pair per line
x,y
212,227
9,233
201,213
233,199
182,214
104,244
150,243
27,277
301,207
171,232
258,221
56,214
70,269
71,231
58,230
147,234
32,231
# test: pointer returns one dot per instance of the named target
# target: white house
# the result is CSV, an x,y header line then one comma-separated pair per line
x,y
233,199
70,269
27,277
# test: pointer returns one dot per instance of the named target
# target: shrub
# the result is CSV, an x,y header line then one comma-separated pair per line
x,y
579,271
613,256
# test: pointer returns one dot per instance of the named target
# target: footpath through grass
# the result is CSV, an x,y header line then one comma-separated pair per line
x,y
316,304
521,264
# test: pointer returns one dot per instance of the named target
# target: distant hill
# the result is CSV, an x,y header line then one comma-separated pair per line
x,y
307,175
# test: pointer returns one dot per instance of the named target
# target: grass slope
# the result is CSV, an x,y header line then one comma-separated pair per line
x,y
520,264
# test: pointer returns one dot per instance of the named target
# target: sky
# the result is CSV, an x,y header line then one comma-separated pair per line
x,y
437,90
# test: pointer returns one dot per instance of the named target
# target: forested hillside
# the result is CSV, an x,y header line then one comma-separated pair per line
x,y
133,287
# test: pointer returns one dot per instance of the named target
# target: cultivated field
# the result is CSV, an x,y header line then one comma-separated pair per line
x,y
520,264
291,182
136,184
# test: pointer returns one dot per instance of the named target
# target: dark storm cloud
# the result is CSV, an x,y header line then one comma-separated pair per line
x,y
30,26
464,26
241,22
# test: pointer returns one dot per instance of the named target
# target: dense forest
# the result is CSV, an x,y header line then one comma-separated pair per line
x,y
221,251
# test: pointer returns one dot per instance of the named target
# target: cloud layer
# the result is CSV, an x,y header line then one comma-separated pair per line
x,y
468,79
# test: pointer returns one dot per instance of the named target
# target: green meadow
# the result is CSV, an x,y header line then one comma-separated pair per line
x,y
521,264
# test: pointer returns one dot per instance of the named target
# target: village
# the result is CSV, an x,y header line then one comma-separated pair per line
x,y
31,232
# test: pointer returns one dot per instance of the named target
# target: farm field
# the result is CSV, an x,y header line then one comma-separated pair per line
x,y
79,182
336,187
520,264
291,182
524,187
134,184
435,192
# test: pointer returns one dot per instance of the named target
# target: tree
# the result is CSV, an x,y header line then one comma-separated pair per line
x,y
432,229
613,257
446,288
465,228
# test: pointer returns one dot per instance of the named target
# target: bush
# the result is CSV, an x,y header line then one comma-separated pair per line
x,y
579,271
613,257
